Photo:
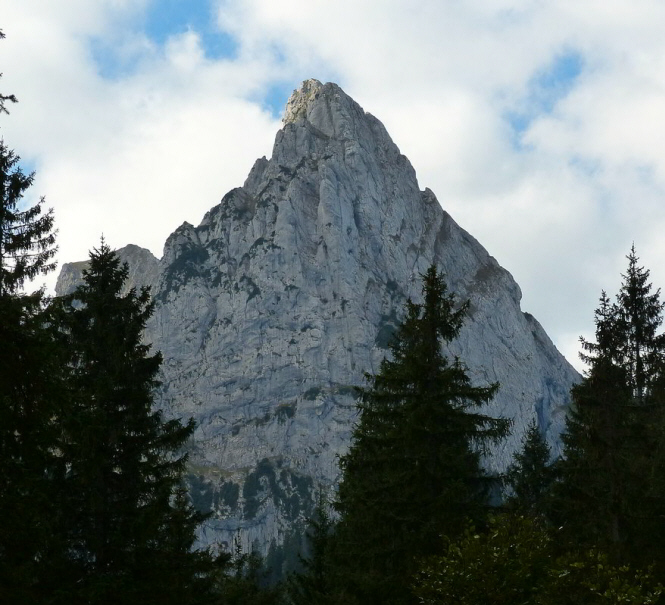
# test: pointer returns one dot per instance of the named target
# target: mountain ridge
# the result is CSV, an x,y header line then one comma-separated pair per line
x,y
271,309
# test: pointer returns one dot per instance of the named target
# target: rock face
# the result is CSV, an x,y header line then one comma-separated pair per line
x,y
143,270
270,311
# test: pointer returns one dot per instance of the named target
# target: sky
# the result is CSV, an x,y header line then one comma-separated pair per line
x,y
540,126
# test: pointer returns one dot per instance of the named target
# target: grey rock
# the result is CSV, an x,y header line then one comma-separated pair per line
x,y
143,270
271,310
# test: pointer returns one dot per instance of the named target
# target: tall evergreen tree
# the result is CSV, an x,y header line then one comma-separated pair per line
x,y
615,426
131,529
313,584
413,472
30,390
531,474
640,350
27,239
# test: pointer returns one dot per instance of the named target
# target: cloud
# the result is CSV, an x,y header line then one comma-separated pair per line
x,y
538,125
134,155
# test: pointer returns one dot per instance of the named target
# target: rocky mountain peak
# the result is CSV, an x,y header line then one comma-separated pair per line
x,y
325,110
272,309
300,99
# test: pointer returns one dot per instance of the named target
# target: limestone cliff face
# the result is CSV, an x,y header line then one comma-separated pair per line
x,y
270,311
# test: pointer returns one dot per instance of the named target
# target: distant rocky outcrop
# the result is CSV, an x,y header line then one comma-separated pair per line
x,y
269,312
143,270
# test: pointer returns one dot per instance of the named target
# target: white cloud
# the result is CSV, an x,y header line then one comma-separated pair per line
x,y
558,204
135,156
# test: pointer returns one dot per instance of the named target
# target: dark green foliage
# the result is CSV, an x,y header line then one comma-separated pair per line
x,y
31,392
32,395
27,240
241,580
607,495
592,500
507,564
313,584
413,471
285,558
516,561
636,345
530,477
131,527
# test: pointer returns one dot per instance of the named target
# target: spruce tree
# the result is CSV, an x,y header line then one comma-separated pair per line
x,y
640,350
131,528
31,390
530,476
607,495
313,584
27,239
413,472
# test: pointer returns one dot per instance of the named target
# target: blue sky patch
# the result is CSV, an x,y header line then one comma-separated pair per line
x,y
277,95
545,89
165,18
162,20
30,196
110,64
27,166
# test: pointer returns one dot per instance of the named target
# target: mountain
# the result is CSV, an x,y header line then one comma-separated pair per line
x,y
272,309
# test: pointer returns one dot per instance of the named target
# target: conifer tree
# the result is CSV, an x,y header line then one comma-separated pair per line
x,y
31,389
313,583
27,239
131,529
640,350
531,474
242,579
606,495
413,472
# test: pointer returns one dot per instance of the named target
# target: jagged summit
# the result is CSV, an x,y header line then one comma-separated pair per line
x,y
270,311
328,111
316,102
296,106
